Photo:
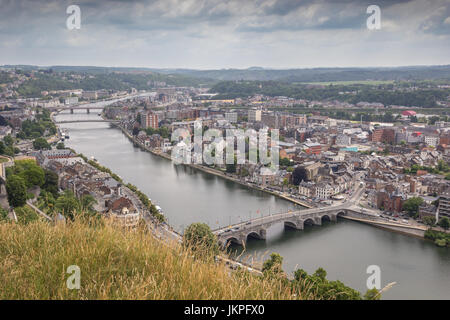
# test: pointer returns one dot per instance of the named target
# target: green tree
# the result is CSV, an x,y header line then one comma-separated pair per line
x,y
87,203
199,238
412,205
231,168
444,222
41,144
60,146
320,273
51,182
67,204
429,221
273,266
16,189
8,140
47,201
325,289
285,162
372,294
33,176
300,274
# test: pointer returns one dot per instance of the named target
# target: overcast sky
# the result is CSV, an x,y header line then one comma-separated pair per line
x,y
207,34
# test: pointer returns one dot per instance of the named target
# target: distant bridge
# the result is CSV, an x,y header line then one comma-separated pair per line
x,y
76,121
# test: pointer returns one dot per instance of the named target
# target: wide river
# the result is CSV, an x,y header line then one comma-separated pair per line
x,y
344,249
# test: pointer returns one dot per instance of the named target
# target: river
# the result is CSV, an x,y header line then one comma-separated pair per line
x,y
344,249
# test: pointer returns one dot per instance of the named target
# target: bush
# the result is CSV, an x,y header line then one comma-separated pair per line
x,y
329,290
3,215
439,238
273,266
199,238
25,215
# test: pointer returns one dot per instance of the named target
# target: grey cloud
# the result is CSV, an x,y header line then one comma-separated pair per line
x,y
262,29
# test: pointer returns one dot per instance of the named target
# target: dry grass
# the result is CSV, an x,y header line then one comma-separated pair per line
x,y
115,264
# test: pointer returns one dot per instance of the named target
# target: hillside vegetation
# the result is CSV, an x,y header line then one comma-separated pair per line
x,y
123,264
115,264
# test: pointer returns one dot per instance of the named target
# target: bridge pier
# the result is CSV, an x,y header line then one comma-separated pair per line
x,y
262,234
333,217
318,221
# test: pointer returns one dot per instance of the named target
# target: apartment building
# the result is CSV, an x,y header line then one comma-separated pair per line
x,y
149,120
254,115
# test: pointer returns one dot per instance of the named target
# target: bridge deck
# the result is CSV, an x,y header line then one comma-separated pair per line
x,y
303,214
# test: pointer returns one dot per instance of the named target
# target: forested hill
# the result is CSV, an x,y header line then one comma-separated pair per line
x,y
48,80
321,74
419,94
286,75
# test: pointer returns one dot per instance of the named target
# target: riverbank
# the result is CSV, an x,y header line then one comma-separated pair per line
x,y
214,171
414,231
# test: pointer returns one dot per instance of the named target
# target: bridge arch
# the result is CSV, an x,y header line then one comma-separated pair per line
x,y
232,240
325,217
291,224
341,213
309,222
261,235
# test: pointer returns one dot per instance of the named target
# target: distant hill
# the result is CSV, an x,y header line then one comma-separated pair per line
x,y
263,74
321,74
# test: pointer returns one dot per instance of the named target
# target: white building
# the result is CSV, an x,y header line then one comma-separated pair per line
x,y
70,100
306,189
431,140
343,140
254,115
325,190
231,117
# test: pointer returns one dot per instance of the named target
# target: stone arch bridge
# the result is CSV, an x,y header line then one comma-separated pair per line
x,y
256,228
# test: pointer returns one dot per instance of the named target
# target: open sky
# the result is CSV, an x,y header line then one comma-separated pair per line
x,y
215,34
